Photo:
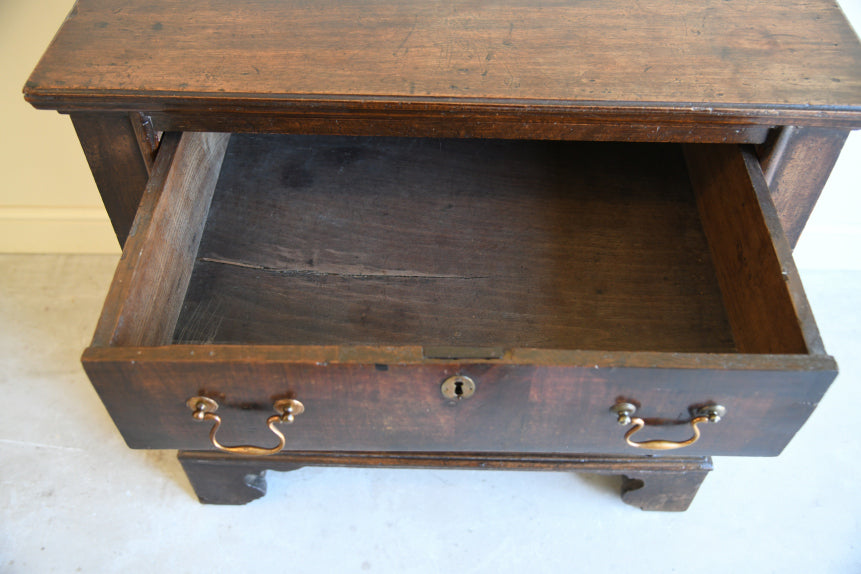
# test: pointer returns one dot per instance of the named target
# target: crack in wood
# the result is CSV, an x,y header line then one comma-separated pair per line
x,y
347,271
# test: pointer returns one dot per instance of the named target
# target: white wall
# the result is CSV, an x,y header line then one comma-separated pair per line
x,y
48,200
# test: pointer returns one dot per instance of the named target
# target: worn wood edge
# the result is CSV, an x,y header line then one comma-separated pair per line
x,y
224,482
149,285
772,153
773,150
171,238
66,100
660,490
598,464
690,115
326,355
148,139
463,126
762,293
135,244
658,483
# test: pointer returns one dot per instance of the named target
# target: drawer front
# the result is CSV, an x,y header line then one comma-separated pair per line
x,y
401,407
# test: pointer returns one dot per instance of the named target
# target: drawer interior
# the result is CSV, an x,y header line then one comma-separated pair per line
x,y
464,248
324,240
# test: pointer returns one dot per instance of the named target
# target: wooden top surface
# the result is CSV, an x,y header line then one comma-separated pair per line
x,y
795,59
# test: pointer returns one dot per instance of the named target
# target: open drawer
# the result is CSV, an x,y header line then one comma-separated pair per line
x,y
555,279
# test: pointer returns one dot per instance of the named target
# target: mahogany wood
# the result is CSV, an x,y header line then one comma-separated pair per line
x,y
665,483
797,163
112,150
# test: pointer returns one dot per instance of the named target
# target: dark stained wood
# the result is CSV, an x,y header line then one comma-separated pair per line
x,y
389,399
149,286
111,147
331,240
762,292
665,483
121,285
148,137
565,239
464,120
660,489
325,226
742,60
797,164
382,355
232,480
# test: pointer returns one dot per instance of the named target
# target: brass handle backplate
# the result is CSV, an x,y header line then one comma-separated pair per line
x,y
203,409
624,413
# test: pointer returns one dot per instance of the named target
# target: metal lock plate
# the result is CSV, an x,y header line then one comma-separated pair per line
x,y
458,387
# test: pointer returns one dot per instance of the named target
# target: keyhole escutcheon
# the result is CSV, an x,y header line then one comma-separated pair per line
x,y
458,387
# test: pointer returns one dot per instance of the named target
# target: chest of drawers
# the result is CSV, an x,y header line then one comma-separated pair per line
x,y
462,235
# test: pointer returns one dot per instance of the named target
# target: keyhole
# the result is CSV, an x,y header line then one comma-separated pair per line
x,y
458,387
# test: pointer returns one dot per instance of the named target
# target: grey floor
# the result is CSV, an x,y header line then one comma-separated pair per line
x,y
73,498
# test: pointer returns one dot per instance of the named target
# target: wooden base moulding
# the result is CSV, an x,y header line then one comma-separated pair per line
x,y
649,483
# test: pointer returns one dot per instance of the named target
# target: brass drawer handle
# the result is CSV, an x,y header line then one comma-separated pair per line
x,y
203,409
623,411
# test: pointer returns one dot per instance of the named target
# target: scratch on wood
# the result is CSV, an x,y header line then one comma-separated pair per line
x,y
406,38
203,323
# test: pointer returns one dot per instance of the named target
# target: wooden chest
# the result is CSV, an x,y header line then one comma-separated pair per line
x,y
458,235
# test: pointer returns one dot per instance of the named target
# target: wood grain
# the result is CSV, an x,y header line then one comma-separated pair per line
x,y
111,146
362,399
458,119
764,299
663,489
495,260
797,165
319,211
148,137
149,285
330,240
664,484
746,59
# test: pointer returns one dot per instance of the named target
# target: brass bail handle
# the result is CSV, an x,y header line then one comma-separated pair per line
x,y
203,409
624,412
